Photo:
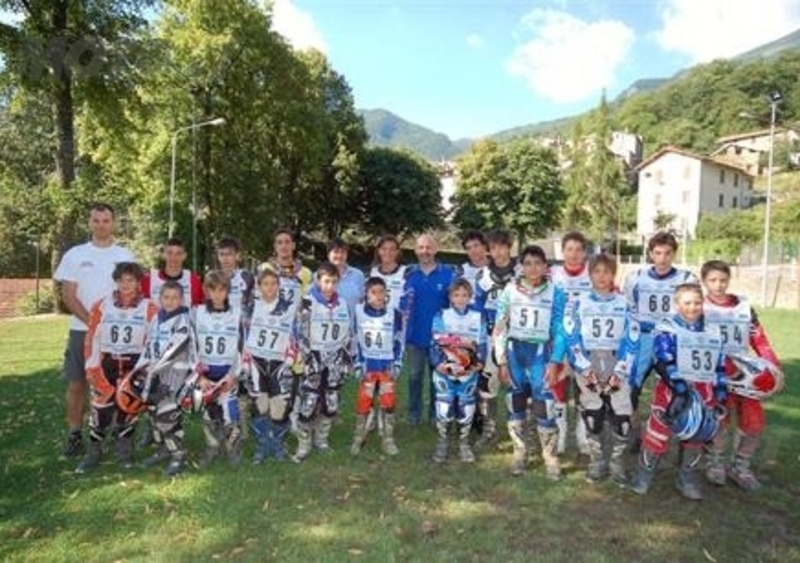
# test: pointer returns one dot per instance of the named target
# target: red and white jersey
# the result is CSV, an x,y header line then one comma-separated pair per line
x,y
732,321
190,282
575,284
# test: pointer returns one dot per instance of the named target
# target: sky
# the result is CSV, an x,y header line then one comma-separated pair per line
x,y
469,68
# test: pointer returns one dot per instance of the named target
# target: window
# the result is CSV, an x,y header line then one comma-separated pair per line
x,y
658,200
722,200
735,180
735,202
721,175
686,195
738,150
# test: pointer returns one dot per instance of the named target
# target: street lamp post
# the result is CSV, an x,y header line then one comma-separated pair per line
x,y
774,99
212,123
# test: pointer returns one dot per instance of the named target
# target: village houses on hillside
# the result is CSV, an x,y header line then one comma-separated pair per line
x,y
745,150
677,186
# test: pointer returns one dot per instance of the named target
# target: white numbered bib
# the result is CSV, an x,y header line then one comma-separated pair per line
x,y
698,354
602,324
733,324
217,337
375,335
329,329
655,303
122,331
269,334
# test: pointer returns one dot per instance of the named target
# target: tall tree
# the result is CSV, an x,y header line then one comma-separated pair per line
x,y
73,53
399,193
514,186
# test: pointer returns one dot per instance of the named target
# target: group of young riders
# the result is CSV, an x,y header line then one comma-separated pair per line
x,y
267,354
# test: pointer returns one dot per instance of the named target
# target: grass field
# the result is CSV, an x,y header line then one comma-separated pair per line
x,y
369,508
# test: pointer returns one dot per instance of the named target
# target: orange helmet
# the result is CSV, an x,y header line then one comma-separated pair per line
x,y
129,393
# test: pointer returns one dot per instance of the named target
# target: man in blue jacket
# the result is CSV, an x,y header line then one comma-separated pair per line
x,y
426,288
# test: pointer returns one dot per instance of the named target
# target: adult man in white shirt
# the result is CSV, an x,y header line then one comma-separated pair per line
x,y
85,276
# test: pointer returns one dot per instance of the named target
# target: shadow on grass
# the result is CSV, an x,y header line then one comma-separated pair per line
x,y
372,507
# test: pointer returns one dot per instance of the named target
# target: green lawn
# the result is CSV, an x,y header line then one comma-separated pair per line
x,y
370,508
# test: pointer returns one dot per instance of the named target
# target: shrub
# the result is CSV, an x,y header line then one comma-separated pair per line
x,y
26,305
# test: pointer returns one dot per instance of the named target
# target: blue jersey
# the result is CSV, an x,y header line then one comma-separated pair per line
x,y
425,295
689,353
598,323
651,296
467,325
528,314
379,333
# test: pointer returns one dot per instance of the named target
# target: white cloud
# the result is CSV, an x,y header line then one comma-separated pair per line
x,y
708,29
475,41
568,59
296,25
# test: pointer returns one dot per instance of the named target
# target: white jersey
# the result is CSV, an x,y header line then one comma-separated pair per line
x,y
90,268
733,324
123,330
375,334
271,328
241,285
330,327
573,286
529,315
698,354
466,325
470,272
602,322
156,282
161,331
490,283
395,284
217,336
651,298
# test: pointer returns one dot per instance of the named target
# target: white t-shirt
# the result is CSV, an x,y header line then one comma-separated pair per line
x,y
90,267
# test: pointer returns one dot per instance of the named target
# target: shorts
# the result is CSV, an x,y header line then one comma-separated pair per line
x,y
74,368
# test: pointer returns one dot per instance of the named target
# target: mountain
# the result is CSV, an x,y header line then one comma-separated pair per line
x,y
386,129
771,49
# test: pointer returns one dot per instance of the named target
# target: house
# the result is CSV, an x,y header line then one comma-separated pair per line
x,y
627,147
745,149
676,187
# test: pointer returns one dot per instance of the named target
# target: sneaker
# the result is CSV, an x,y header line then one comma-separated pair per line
x,y
73,447
91,460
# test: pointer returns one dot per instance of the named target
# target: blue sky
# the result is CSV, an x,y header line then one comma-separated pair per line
x,y
474,67
469,68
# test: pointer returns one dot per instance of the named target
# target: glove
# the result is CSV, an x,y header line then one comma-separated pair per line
x,y
614,383
396,369
635,394
590,378
680,387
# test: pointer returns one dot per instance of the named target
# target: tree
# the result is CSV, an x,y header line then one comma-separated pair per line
x,y
73,53
515,186
596,185
399,193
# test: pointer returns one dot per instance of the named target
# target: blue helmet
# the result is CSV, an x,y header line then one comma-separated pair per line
x,y
690,419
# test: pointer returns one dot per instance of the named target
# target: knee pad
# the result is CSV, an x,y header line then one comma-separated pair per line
x,y
308,404
594,420
517,401
330,404
465,413
621,425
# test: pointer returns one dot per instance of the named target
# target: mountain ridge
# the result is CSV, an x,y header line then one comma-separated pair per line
x,y
386,128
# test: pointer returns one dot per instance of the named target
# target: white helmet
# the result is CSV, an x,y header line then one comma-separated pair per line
x,y
756,377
